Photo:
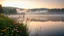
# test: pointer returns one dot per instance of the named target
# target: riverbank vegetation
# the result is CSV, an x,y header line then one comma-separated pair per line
x,y
9,27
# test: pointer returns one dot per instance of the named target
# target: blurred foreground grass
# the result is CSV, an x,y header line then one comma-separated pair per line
x,y
9,27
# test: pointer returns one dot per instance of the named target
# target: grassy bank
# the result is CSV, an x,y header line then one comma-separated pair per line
x,y
9,27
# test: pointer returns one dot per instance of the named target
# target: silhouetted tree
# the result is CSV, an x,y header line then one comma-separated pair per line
x,y
1,9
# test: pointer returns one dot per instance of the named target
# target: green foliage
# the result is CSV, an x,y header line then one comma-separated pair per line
x,y
10,28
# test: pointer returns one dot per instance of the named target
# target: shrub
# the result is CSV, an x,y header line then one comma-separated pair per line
x,y
9,27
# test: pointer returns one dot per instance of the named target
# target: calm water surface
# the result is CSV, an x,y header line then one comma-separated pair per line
x,y
48,28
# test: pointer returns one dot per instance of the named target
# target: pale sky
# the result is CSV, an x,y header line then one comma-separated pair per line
x,y
33,3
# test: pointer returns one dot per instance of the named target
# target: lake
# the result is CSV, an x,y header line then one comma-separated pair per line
x,y
48,28
44,24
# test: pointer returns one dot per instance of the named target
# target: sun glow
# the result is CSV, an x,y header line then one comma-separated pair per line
x,y
29,4
23,4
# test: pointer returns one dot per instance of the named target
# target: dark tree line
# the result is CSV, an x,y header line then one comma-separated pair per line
x,y
1,9
7,10
56,10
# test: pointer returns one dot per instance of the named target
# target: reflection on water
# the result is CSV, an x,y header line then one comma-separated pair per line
x,y
49,28
44,25
39,17
46,17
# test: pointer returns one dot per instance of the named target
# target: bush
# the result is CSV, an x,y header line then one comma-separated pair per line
x,y
9,27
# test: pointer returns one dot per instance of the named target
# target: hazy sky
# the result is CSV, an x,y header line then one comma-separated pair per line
x,y
33,3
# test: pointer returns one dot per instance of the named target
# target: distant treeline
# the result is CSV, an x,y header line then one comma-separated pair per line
x,y
56,10
49,10
38,9
12,10
9,10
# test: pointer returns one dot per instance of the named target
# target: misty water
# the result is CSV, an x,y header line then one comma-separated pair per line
x,y
44,24
47,25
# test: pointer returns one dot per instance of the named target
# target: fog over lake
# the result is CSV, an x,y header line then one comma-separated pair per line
x,y
47,25
43,24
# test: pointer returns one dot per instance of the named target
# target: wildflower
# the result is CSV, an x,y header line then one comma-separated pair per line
x,y
3,30
20,30
15,29
12,30
14,22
